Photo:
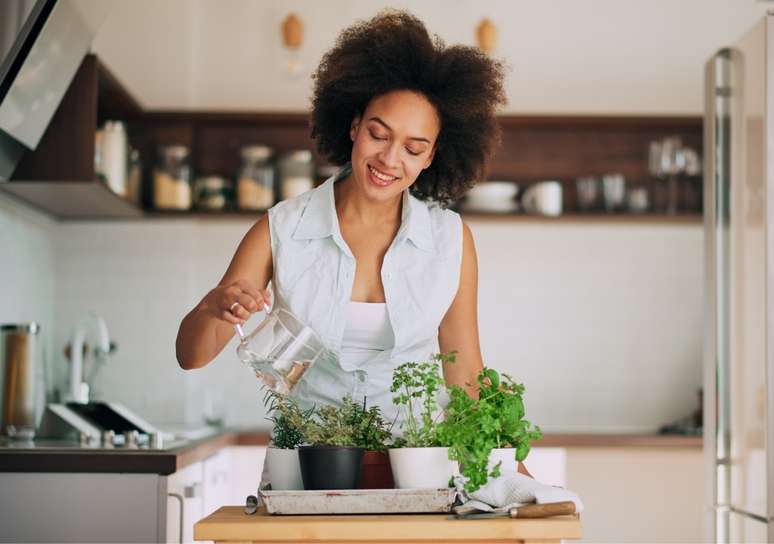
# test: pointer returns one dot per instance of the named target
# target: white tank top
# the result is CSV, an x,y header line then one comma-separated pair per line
x,y
367,333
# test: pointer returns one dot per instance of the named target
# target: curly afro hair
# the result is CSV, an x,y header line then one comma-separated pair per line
x,y
393,51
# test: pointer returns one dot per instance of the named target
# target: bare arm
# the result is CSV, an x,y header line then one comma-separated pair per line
x,y
459,327
206,330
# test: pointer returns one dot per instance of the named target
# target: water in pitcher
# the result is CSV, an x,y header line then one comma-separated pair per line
x,y
280,375
280,350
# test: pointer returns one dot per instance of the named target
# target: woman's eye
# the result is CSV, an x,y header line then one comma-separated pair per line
x,y
412,152
377,136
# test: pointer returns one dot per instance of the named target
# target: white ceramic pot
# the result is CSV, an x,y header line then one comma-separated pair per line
x,y
284,469
422,468
507,456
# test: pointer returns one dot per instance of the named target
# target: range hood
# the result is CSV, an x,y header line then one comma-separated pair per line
x,y
51,39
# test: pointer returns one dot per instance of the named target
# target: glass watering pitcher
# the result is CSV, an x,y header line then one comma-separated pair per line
x,y
280,350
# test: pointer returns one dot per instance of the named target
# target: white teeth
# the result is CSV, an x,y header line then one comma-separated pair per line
x,y
379,175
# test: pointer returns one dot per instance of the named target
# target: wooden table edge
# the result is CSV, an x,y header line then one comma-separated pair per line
x,y
230,524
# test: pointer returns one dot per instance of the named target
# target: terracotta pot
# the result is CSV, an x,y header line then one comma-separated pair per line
x,y
376,472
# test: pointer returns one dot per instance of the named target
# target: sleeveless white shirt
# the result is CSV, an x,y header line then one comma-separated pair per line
x,y
314,270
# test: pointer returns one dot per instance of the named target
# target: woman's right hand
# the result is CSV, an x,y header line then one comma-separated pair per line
x,y
237,301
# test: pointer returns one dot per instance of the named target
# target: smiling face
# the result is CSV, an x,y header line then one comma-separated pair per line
x,y
394,140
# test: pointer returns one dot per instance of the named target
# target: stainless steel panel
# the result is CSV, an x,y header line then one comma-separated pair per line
x,y
716,226
51,64
769,214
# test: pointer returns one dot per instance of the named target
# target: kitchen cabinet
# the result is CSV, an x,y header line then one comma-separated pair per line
x,y
124,507
185,502
639,494
246,463
82,507
226,477
218,478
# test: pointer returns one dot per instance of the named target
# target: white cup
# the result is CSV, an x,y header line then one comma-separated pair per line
x,y
544,197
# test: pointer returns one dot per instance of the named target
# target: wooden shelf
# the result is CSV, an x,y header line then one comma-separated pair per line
x,y
104,205
58,177
588,218
237,215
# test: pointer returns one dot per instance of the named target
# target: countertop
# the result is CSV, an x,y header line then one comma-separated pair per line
x,y
69,456
63,456
231,524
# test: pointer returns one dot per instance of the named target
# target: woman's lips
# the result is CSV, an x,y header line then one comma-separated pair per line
x,y
379,178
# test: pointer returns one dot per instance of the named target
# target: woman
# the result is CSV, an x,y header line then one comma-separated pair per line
x,y
371,260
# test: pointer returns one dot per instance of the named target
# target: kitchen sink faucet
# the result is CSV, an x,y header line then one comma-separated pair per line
x,y
79,388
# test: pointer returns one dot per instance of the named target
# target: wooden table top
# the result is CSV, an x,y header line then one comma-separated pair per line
x,y
230,523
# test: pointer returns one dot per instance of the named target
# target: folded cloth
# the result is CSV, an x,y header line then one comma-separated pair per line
x,y
512,490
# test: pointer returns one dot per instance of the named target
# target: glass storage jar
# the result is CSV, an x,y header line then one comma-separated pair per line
x,y
255,182
212,193
172,178
296,173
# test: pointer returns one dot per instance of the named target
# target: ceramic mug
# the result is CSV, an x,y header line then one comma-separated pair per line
x,y
544,197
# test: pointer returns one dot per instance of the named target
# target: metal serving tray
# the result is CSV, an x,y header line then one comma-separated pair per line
x,y
359,501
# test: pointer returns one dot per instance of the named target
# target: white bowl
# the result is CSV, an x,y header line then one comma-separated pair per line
x,y
492,196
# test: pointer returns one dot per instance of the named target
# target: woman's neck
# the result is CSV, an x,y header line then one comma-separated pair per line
x,y
353,207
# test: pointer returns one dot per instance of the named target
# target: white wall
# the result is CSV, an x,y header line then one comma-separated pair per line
x,y
27,270
143,277
602,323
566,56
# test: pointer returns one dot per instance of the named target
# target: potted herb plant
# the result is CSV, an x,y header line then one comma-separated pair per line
x,y
282,455
373,436
483,433
332,459
419,458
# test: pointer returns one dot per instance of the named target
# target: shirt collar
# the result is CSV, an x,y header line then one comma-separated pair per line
x,y
319,219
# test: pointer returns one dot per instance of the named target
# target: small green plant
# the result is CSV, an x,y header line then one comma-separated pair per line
x,y
417,385
374,432
287,417
348,425
472,428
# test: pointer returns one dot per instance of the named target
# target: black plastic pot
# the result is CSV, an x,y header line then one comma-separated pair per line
x,y
330,467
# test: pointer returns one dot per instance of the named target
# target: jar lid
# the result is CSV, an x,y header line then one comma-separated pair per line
x,y
212,183
31,328
174,151
256,152
298,155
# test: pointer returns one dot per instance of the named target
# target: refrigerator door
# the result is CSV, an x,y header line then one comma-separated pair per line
x,y
749,275
747,529
739,226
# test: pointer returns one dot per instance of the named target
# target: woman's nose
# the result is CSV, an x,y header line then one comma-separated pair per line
x,y
389,154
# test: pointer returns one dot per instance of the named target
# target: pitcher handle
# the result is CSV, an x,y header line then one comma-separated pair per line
x,y
241,332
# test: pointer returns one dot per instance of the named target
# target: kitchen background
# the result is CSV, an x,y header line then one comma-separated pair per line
x,y
601,320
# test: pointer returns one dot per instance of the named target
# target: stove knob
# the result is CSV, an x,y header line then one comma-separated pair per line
x,y
108,439
130,439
